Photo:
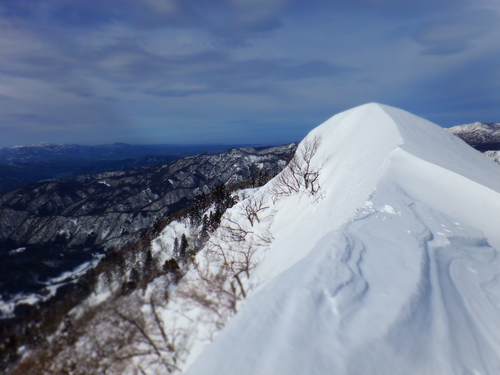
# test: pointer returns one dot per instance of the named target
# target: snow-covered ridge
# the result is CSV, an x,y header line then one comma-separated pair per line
x,y
358,148
390,267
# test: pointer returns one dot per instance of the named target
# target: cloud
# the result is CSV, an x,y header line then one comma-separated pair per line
x,y
214,72
219,17
455,34
147,14
380,8
119,67
464,93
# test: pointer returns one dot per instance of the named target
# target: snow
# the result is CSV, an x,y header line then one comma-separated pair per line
x,y
51,286
77,271
392,267
18,250
493,155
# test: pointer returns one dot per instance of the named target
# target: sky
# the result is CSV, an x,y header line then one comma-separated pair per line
x,y
237,71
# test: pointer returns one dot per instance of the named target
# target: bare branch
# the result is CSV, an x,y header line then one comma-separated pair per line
x,y
299,173
252,206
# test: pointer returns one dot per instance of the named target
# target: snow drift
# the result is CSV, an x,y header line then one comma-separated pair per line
x,y
391,267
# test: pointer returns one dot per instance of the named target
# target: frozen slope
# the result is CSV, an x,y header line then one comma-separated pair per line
x,y
391,268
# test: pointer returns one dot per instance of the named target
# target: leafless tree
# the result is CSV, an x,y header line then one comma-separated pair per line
x,y
252,206
310,174
222,269
232,231
299,174
122,335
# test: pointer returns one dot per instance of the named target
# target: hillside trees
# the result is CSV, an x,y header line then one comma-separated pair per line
x,y
145,301
130,330
252,207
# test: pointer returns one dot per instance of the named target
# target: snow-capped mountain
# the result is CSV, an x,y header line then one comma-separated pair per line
x,y
116,151
375,251
390,266
21,165
482,136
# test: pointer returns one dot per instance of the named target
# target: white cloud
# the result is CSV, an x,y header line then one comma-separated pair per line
x,y
456,33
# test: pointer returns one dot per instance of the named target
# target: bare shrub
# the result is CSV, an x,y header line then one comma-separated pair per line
x,y
252,207
221,271
232,231
146,327
122,336
299,173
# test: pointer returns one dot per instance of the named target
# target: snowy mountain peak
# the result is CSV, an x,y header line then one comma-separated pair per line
x,y
360,147
384,257
378,130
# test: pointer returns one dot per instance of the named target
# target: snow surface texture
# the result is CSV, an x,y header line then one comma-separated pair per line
x,y
392,267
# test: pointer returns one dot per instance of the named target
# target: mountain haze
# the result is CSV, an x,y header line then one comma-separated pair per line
x,y
20,165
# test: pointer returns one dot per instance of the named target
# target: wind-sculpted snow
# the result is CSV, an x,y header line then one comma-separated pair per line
x,y
392,267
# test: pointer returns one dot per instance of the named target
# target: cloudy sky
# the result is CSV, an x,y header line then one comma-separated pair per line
x,y
237,71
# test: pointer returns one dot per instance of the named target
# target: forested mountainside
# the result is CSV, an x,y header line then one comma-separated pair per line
x,y
112,279
53,227
105,207
21,165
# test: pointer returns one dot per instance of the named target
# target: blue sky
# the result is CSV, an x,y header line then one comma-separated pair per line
x,y
237,71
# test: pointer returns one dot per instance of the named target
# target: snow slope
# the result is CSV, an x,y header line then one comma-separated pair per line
x,y
391,267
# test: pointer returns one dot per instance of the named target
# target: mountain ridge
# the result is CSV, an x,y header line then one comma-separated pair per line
x,y
480,135
71,220
365,255
352,269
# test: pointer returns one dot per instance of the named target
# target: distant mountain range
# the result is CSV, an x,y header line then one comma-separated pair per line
x,y
480,135
21,165
116,151
63,223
